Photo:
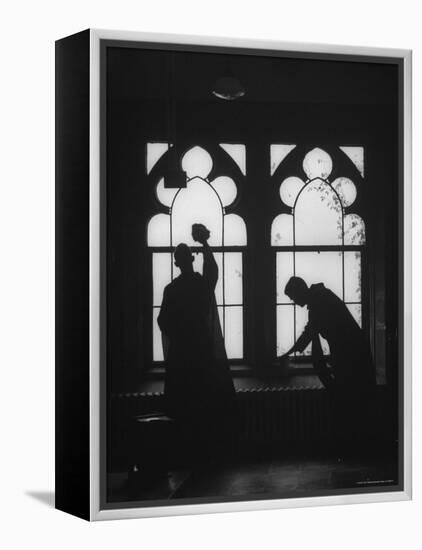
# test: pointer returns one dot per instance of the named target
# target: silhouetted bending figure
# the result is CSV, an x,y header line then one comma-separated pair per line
x,y
350,378
198,390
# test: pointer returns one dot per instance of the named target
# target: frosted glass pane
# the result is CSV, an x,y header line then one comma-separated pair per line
x,y
154,152
318,215
197,203
159,230
165,195
354,230
233,278
278,152
161,275
197,163
356,311
282,230
356,155
317,164
226,189
284,272
234,332
290,189
321,267
234,230
352,277
285,329
157,344
302,316
237,153
346,190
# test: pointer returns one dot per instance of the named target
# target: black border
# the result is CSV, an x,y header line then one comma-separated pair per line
x,y
108,43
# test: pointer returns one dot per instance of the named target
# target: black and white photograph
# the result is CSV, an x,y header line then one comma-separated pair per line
x,y
210,265
253,252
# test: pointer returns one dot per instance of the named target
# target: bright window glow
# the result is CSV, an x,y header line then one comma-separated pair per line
x,y
318,215
237,152
317,221
278,152
290,189
285,329
226,189
197,163
201,202
282,230
354,230
154,152
356,155
317,164
197,203
346,190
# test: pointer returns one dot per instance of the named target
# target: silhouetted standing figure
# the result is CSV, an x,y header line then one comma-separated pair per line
x,y
198,390
351,376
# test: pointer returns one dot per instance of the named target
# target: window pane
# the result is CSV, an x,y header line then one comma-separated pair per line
x,y
285,328
356,155
161,275
234,230
197,163
278,152
233,272
290,189
154,152
197,203
318,215
237,153
234,332
159,230
282,230
321,267
354,230
157,344
225,188
165,194
346,190
284,272
352,277
356,311
317,164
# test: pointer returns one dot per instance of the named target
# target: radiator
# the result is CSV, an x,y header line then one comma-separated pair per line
x,y
280,420
284,417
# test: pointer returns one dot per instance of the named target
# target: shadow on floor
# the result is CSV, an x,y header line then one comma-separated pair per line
x,y
45,497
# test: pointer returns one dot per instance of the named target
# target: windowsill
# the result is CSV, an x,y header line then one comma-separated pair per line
x,y
245,378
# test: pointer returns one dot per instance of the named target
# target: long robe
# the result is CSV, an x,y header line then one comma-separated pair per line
x,y
350,376
198,385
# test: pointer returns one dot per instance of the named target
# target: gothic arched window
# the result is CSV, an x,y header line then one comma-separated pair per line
x,y
203,200
317,236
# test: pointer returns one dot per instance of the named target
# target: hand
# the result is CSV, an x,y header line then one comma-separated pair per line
x,y
200,233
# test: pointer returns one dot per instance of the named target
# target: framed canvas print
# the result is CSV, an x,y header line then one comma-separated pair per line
x,y
233,274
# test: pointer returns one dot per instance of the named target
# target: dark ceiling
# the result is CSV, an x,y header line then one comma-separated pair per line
x,y
153,74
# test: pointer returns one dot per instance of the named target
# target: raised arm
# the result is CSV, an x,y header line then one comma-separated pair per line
x,y
304,339
210,272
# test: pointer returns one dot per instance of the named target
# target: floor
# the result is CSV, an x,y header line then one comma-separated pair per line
x,y
278,478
